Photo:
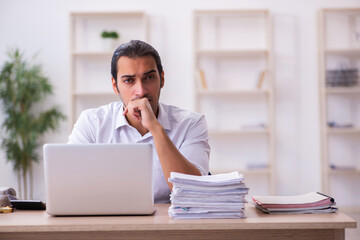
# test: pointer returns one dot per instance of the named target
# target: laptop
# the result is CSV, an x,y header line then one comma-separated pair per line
x,y
99,179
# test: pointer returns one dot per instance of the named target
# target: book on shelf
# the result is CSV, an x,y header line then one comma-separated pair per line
x,y
312,202
201,80
254,127
261,79
342,167
256,165
333,124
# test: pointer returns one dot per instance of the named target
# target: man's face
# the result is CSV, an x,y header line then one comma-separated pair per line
x,y
138,78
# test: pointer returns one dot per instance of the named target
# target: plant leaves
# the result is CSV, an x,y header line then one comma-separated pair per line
x,y
22,85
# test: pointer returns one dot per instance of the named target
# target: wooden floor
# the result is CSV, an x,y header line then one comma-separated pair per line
x,y
353,234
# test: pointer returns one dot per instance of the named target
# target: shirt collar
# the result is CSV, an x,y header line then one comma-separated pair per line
x,y
163,118
120,119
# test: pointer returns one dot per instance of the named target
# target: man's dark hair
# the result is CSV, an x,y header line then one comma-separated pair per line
x,y
134,49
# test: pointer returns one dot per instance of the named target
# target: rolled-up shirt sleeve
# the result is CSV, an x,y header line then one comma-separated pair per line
x,y
195,147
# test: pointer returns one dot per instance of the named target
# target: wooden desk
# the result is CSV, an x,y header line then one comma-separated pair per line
x,y
257,225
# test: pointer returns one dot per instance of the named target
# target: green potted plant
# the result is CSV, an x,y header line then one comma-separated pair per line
x,y
109,39
22,85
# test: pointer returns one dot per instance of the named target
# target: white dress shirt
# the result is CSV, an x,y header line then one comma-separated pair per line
x,y
187,130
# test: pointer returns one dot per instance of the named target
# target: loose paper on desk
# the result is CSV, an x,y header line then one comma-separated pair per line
x,y
298,199
312,202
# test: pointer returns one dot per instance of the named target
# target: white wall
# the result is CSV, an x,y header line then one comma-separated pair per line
x,y
42,27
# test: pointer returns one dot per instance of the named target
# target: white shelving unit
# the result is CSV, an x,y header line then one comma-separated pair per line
x,y
339,49
232,48
91,58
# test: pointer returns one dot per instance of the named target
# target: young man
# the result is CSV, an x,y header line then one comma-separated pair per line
x,y
179,137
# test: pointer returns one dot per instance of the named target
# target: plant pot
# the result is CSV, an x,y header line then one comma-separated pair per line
x,y
109,44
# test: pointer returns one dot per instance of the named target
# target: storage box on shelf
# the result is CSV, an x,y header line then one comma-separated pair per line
x,y
91,54
235,90
339,91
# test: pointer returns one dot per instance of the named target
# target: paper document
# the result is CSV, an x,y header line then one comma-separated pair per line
x,y
297,199
213,196
209,180
312,202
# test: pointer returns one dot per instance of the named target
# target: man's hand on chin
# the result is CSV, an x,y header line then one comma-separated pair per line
x,y
140,109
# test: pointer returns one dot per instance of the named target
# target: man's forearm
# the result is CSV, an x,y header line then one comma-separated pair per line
x,y
171,159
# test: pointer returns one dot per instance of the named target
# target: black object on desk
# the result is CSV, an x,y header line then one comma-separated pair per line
x,y
28,204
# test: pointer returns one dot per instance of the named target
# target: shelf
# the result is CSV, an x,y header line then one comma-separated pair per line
x,y
107,14
226,13
232,52
89,94
256,171
343,130
260,171
349,51
238,132
341,10
339,90
344,171
92,54
222,93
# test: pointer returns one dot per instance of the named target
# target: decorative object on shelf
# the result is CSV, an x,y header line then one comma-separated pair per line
x,y
109,40
357,37
22,85
342,77
339,167
256,165
261,79
257,126
201,80
333,124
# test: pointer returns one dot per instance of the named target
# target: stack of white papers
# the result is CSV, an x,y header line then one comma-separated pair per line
x,y
312,202
212,196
